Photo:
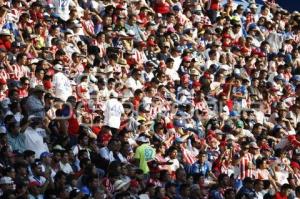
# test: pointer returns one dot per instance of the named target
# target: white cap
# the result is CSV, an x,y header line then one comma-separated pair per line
x,y
58,67
120,184
143,139
5,32
254,145
6,180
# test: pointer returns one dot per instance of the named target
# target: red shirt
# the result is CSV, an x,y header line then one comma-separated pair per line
x,y
162,8
280,196
136,102
5,44
143,18
214,5
96,129
73,125
23,92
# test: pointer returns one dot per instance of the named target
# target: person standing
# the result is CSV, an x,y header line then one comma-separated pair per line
x,y
113,112
144,153
61,83
62,8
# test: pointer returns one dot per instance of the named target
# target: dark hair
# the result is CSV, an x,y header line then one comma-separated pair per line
x,y
221,177
59,175
20,56
28,153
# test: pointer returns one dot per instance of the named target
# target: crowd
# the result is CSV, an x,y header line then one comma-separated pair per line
x,y
149,99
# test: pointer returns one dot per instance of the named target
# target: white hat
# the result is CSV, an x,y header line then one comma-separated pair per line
x,y
5,32
6,180
143,139
58,147
70,31
58,67
30,117
253,5
254,145
120,184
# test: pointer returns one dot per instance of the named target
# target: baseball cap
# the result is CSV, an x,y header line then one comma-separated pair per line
x,y
143,139
186,59
253,145
6,180
45,154
176,8
58,67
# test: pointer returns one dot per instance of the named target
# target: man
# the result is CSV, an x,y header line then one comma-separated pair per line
x,y
34,104
202,167
6,183
34,138
144,153
46,159
258,187
113,112
37,179
134,82
62,8
111,152
284,192
245,164
61,83
15,138
223,183
131,25
170,189
247,189
20,69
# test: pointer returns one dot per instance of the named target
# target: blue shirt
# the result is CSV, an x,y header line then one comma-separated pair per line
x,y
202,169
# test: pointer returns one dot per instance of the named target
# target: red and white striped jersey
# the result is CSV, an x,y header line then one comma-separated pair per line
x,y
245,166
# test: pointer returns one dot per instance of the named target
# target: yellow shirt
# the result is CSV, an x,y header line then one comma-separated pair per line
x,y
144,153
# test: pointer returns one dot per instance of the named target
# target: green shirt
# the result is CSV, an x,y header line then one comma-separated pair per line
x,y
144,153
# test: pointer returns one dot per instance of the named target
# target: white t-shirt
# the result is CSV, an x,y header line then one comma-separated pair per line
x,y
175,165
34,141
112,113
133,84
177,62
172,74
66,168
62,8
62,86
